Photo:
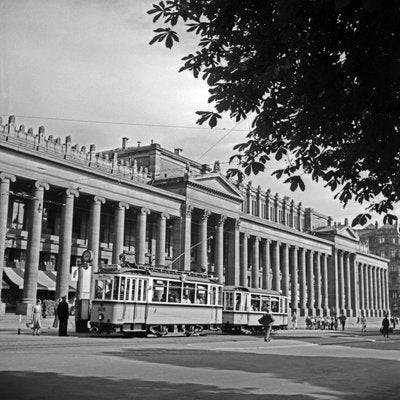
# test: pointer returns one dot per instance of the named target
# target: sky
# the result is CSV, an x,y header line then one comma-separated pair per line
x,y
85,69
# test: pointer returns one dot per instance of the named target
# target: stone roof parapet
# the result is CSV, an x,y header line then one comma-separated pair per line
x,y
67,151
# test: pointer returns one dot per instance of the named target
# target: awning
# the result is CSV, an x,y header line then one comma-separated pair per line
x,y
46,279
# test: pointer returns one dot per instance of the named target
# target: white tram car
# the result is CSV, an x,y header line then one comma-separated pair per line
x,y
243,307
134,300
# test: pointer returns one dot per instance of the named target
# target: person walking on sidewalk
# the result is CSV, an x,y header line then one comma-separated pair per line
x,y
63,314
363,322
266,321
37,318
385,327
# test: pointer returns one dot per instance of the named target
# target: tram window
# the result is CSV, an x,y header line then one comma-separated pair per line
x,y
201,294
214,295
274,304
189,290
133,289
255,302
237,306
219,292
145,289
99,292
160,290
128,289
142,290
229,301
116,288
175,292
107,289
265,302
122,288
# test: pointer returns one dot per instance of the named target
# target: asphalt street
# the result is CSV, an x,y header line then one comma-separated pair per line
x,y
297,364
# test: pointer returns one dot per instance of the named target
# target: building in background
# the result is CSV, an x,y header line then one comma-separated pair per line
x,y
165,210
384,241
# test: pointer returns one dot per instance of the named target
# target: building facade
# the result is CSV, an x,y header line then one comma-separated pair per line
x,y
163,209
384,241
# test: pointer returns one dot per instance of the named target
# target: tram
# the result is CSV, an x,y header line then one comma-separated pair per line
x,y
132,300
243,307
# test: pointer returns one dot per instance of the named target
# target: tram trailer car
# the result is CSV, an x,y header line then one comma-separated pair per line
x,y
243,307
142,300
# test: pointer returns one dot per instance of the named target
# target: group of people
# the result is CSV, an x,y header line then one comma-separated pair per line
x,y
325,322
61,315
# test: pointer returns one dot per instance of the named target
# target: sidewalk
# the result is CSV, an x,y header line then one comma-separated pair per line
x,y
12,324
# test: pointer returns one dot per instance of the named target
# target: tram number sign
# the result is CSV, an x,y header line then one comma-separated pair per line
x,y
101,309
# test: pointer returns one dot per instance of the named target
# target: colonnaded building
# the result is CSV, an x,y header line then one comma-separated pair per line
x,y
165,210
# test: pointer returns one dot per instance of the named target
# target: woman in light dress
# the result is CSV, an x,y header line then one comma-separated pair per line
x,y
37,317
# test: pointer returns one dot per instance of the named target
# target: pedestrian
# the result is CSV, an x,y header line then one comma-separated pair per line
x,y
266,321
37,318
363,322
63,314
385,327
55,322
393,321
342,320
294,320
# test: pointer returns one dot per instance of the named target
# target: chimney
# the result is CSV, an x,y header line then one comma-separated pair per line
x,y
178,151
124,141
346,221
138,144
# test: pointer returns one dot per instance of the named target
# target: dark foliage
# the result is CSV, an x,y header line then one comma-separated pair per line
x,y
321,77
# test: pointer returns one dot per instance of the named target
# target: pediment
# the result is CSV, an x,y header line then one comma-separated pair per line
x,y
348,232
217,182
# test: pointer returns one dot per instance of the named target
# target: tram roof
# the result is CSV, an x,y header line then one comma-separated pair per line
x,y
157,272
251,290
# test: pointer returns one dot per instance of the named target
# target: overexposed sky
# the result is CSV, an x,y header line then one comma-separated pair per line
x,y
90,60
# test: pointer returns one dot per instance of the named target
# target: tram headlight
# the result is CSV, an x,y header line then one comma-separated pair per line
x,y
101,317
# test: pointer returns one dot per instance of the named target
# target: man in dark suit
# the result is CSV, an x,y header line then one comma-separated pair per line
x,y
63,314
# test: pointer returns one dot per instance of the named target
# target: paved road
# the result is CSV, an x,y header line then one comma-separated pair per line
x,y
294,365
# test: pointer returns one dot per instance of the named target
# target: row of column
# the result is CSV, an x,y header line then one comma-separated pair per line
x,y
300,272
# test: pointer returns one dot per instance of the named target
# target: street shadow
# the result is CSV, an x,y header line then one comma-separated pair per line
x,y
25,385
362,378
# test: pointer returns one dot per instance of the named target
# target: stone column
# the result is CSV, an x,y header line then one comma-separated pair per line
x,y
161,239
5,180
367,292
33,248
318,291
310,282
294,278
219,249
140,251
276,268
182,255
324,283
203,257
244,263
347,284
386,286
333,287
94,236
119,229
302,282
65,244
266,267
341,282
362,288
255,267
375,280
355,286
371,290
379,285
285,269
233,268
